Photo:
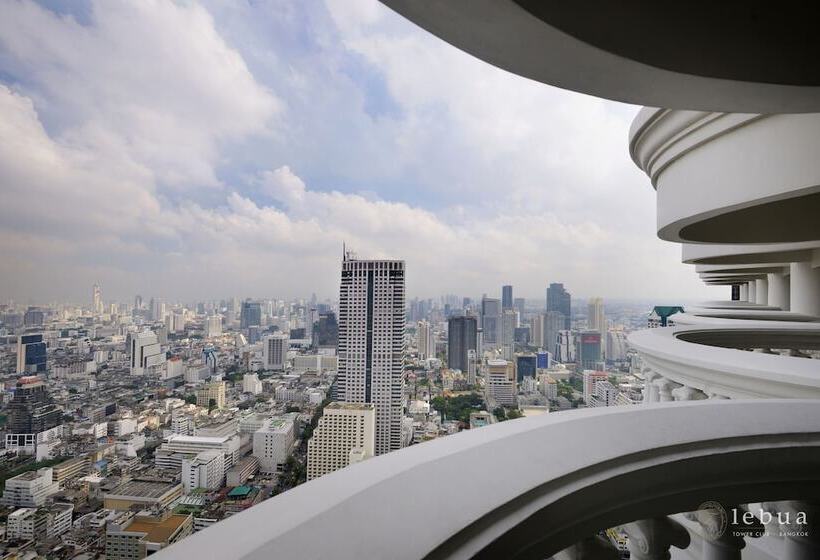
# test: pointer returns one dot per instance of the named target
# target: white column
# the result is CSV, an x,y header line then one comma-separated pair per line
x,y
650,539
802,541
762,291
752,295
744,292
779,291
804,293
665,388
650,390
688,394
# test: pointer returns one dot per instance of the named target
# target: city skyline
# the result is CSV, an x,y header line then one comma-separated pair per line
x,y
356,131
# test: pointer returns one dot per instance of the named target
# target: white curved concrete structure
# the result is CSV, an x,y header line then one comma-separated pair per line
x,y
710,362
526,489
637,52
731,178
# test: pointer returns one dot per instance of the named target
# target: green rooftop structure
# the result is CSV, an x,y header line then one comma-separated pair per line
x,y
240,492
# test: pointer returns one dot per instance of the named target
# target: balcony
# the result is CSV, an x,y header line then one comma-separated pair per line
x,y
537,487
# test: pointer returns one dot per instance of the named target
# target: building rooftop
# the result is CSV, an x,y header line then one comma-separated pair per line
x,y
142,489
240,492
156,530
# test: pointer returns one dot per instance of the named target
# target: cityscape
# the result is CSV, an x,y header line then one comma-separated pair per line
x,y
159,419
408,280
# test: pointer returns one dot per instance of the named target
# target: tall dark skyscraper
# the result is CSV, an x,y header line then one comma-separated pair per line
x,y
506,297
371,343
462,335
558,299
251,314
31,410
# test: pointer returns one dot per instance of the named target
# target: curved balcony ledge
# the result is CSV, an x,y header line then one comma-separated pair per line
x,y
453,497
731,372
751,254
647,59
731,178
771,319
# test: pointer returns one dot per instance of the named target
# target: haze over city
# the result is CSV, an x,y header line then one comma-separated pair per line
x,y
237,150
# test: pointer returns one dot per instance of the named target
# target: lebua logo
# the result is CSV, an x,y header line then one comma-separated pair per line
x,y
717,521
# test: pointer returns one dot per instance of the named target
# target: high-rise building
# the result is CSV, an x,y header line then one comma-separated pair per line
x,y
275,351
34,317
472,366
251,314
501,382
558,299
145,352
525,366
508,320
462,336
31,411
344,435
426,340
506,297
371,343
596,320
213,326
491,321
519,304
589,349
32,354
96,300
157,309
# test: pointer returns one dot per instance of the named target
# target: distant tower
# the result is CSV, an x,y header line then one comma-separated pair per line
x,y
558,299
491,321
371,342
595,315
506,297
96,300
462,336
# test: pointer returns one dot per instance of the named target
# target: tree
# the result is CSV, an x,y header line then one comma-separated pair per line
x,y
500,414
190,399
514,413
211,405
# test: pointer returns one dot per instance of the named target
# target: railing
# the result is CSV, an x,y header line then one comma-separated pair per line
x,y
534,487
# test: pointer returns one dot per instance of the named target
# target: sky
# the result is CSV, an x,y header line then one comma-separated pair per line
x,y
202,150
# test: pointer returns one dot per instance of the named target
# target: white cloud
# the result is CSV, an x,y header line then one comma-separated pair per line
x,y
115,131
152,79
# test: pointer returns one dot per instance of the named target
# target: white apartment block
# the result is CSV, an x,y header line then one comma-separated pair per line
x,y
272,443
371,343
275,351
145,352
345,434
251,384
30,489
592,377
176,449
205,470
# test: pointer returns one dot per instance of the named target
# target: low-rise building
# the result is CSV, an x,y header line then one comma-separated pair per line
x,y
30,489
144,493
142,535
272,443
